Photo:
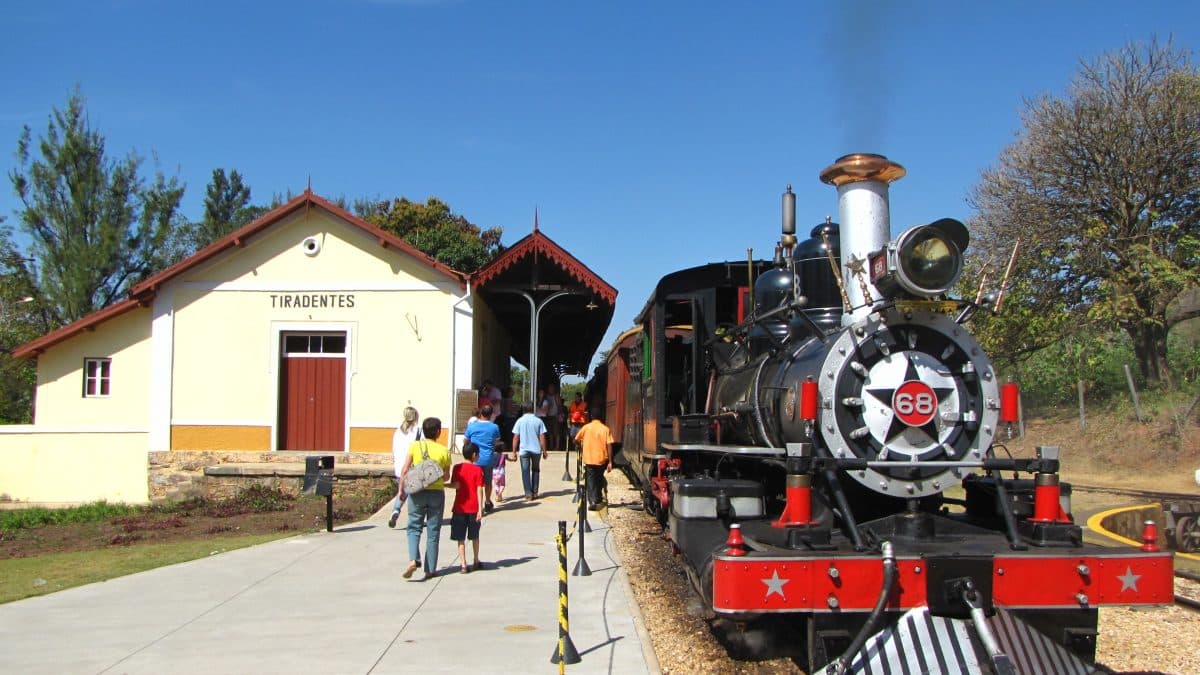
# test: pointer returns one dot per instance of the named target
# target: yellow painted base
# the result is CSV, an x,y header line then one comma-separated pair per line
x,y
220,438
371,439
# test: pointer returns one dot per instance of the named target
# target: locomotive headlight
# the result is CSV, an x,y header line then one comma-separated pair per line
x,y
924,261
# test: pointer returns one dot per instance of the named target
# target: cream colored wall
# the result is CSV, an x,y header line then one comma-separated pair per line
x,y
227,324
60,401
347,253
53,468
493,347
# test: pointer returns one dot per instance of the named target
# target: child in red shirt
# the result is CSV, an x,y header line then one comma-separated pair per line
x,y
467,512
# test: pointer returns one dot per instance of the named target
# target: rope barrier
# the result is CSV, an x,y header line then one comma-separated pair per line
x,y
565,651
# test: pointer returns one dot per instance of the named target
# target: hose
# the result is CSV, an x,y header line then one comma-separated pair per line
x,y
890,574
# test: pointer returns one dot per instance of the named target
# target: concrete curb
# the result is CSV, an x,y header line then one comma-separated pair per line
x,y
639,620
1095,524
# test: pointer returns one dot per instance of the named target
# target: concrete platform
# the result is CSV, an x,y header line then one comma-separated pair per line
x,y
336,603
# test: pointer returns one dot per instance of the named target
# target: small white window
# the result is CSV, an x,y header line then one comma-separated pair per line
x,y
97,375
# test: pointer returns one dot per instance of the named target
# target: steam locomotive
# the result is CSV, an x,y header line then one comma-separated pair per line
x,y
817,434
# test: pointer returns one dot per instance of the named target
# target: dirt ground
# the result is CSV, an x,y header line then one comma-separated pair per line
x,y
252,512
1158,455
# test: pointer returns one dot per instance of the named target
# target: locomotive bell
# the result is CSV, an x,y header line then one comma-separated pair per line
x,y
924,261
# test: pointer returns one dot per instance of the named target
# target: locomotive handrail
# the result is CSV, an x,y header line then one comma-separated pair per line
x,y
855,463
728,449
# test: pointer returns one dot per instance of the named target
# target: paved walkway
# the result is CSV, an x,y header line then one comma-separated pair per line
x,y
336,603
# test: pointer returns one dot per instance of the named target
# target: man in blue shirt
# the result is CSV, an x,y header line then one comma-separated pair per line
x,y
529,439
484,433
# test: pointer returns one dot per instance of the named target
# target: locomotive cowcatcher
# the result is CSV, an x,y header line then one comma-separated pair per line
x,y
818,434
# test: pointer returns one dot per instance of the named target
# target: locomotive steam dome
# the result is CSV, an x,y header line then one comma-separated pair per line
x,y
815,274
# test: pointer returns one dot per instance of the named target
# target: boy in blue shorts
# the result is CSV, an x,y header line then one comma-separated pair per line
x,y
467,512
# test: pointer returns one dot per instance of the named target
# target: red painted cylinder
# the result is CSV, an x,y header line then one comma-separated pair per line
x,y
1009,408
798,509
735,544
1150,536
1045,499
808,400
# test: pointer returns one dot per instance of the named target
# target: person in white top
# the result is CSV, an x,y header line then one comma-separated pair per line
x,y
404,437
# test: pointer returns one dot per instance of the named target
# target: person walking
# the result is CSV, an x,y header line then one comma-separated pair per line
x,y
596,441
425,508
576,417
529,442
484,433
408,432
467,512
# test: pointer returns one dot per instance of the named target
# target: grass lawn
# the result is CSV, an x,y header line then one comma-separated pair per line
x,y
26,577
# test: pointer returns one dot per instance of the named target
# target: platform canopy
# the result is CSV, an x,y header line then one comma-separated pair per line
x,y
574,306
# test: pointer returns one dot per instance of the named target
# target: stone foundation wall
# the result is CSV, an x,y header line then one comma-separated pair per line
x,y
223,487
177,475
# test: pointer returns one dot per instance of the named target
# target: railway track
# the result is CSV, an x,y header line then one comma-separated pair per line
x,y
1146,494
1151,495
1183,600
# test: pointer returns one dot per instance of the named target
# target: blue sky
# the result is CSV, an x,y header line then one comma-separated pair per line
x,y
650,136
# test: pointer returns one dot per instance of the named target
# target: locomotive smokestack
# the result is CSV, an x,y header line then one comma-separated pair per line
x,y
862,182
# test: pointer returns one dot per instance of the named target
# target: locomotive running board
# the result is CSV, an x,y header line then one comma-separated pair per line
x,y
922,643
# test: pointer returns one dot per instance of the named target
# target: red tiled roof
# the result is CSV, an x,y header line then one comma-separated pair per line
x,y
142,293
538,243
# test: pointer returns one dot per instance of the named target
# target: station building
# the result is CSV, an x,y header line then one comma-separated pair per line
x,y
307,330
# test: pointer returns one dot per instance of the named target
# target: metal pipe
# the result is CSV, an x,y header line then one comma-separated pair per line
x,y
1004,282
1010,521
537,317
532,346
890,573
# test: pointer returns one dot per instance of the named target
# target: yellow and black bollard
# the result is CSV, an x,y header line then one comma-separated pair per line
x,y
565,651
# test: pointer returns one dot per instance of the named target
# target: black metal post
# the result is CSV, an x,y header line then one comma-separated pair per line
x,y
567,462
329,513
581,567
578,477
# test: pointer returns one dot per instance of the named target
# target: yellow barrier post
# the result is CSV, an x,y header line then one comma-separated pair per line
x,y
565,651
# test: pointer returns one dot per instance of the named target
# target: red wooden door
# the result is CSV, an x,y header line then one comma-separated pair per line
x,y
312,407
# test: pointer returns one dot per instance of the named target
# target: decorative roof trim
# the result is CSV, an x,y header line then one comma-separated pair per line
x,y
535,243
87,323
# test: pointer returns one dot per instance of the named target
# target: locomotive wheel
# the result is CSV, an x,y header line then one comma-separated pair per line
x,y
1187,534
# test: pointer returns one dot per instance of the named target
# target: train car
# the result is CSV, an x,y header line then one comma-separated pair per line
x,y
797,423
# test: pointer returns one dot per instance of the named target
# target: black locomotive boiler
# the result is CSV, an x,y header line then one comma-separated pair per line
x,y
797,423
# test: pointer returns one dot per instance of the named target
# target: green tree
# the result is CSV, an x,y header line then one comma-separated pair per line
x,y
95,225
1102,186
226,207
435,230
21,320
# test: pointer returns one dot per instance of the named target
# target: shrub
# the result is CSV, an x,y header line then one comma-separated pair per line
x,y
87,513
261,499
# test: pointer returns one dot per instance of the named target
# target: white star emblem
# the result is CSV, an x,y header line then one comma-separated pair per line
x,y
1129,580
775,584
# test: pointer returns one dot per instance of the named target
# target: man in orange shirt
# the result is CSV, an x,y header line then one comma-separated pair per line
x,y
596,441
577,416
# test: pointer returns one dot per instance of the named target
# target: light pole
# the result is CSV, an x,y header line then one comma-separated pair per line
x,y
4,308
4,312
